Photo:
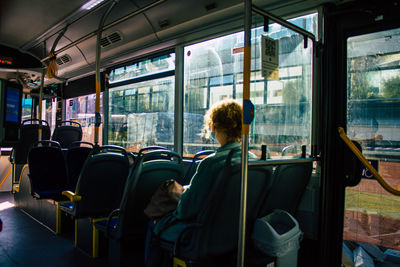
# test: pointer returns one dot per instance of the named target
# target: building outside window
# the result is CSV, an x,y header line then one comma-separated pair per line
x,y
141,104
213,71
82,110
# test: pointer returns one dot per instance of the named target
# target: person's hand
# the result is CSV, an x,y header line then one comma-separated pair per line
x,y
177,188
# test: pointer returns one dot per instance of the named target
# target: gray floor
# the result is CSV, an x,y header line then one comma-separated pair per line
x,y
25,242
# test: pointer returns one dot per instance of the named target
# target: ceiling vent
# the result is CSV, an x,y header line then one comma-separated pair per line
x,y
110,39
63,59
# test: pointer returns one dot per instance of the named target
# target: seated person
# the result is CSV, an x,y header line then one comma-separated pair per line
x,y
224,120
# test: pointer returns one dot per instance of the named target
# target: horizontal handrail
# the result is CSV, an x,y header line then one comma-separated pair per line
x,y
366,163
284,23
280,162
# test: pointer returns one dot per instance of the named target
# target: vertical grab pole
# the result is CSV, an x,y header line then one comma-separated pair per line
x,y
245,132
41,96
97,117
40,104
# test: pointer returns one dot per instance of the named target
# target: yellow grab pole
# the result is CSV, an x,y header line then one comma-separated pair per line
x,y
248,112
40,104
97,112
366,163
5,177
97,119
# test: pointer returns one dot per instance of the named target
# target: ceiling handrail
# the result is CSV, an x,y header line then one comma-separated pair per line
x,y
106,27
283,22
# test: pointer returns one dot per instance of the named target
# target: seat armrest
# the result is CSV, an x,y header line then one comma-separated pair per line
x,y
71,196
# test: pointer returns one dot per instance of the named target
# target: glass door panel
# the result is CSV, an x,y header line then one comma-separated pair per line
x,y
372,215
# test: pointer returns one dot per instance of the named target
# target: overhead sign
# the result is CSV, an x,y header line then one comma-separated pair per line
x,y
6,60
269,58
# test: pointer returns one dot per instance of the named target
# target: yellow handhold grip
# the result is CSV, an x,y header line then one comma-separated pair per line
x,y
72,196
178,262
366,163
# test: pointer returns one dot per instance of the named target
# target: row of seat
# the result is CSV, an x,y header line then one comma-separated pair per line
x,y
212,237
111,185
65,133
53,169
118,185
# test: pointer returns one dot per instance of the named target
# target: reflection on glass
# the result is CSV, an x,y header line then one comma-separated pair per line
x,y
27,108
49,107
82,109
142,114
143,68
214,71
372,215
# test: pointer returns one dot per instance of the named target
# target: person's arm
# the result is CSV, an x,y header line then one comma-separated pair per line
x,y
193,197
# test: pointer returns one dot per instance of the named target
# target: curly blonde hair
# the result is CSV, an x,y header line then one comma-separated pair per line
x,y
226,117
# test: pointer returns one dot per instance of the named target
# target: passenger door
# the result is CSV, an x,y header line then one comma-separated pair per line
x,y
372,214
360,92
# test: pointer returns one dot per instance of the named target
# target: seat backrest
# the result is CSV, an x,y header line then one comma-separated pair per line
x,y
29,135
67,132
101,182
47,172
75,157
147,176
290,181
219,218
193,165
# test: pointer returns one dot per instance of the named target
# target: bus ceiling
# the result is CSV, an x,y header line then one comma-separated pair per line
x,y
19,66
34,26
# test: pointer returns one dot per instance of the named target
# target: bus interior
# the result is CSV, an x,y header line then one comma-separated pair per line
x,y
103,100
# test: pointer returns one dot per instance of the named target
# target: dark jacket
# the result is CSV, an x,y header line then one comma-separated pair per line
x,y
193,198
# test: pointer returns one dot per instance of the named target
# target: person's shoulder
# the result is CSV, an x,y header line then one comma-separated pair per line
x,y
228,147
208,159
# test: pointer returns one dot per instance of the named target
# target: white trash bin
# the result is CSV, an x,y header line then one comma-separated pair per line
x,y
278,235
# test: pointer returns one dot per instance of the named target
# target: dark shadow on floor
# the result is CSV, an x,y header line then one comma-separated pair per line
x,y
26,242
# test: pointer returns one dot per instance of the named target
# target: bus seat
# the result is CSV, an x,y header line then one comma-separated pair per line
x,y
75,157
47,171
135,155
100,183
290,180
193,165
29,135
67,132
131,222
213,236
150,148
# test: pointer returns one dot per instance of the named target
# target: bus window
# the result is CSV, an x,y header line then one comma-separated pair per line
x,y
27,108
142,112
49,107
372,215
214,71
82,109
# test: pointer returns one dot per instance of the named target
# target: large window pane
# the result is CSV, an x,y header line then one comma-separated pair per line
x,y
214,71
82,109
142,114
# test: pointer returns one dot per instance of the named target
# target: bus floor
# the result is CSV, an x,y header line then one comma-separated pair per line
x,y
26,242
